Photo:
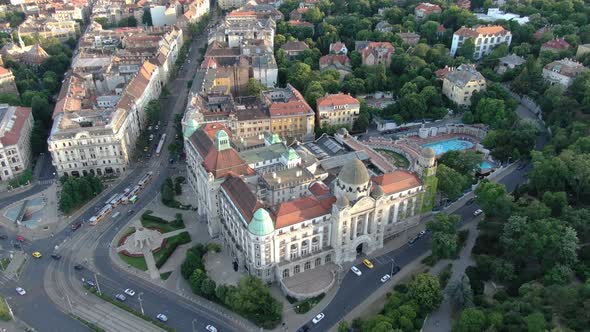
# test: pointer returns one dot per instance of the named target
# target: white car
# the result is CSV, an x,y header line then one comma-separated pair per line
x,y
385,278
129,292
477,212
21,291
210,328
162,318
356,270
318,318
421,234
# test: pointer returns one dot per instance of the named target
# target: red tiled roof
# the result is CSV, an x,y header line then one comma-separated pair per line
x,y
441,28
441,73
319,189
4,71
373,46
301,209
428,8
12,136
337,100
334,58
337,46
242,197
557,44
294,106
397,181
301,24
241,13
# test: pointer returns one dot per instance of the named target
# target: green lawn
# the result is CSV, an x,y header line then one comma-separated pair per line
x,y
5,261
136,262
395,158
4,312
165,227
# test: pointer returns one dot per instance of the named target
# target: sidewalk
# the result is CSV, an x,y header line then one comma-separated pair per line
x,y
18,259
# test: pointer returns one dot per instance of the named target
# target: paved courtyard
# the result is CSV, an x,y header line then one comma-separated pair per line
x,y
312,282
220,268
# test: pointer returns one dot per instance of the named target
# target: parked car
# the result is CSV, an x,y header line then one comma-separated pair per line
x,y
90,283
368,263
120,297
470,201
36,254
56,256
477,212
75,226
161,317
130,292
385,278
318,318
211,328
356,270
395,270
17,245
78,267
21,291
413,240
421,234
3,237
304,328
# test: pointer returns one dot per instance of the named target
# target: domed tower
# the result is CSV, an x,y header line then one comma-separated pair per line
x,y
426,164
259,251
353,181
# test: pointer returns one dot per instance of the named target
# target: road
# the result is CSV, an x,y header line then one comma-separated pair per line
x,y
47,280
353,289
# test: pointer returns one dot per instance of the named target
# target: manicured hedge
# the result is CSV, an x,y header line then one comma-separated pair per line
x,y
167,251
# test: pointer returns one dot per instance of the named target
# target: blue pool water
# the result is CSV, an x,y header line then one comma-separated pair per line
x,y
486,165
450,145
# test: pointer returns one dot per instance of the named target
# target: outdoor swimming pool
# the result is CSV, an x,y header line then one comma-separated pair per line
x,y
486,165
442,147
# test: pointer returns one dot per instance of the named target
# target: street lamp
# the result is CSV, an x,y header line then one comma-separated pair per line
x,y
392,262
193,324
140,302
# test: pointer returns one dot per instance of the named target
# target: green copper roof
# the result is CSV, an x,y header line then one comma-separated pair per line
x,y
292,154
274,139
222,140
261,223
190,128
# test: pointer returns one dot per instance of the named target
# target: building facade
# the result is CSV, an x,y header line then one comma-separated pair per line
x,y
563,72
16,124
460,83
485,38
337,110
7,83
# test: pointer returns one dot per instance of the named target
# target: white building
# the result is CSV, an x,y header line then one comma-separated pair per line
x,y
563,72
16,124
495,14
164,15
485,39
230,4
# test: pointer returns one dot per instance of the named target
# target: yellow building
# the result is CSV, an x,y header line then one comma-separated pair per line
x,y
290,115
337,110
461,83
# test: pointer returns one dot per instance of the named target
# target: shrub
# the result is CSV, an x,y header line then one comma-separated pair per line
x,y
173,242
445,275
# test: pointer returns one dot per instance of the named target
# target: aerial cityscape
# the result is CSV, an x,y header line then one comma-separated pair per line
x,y
294,165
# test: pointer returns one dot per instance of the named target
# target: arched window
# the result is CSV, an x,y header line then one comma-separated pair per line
x,y
286,273
328,258
318,262
307,266
297,269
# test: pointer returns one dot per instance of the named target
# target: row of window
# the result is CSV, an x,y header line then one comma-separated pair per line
x,y
307,265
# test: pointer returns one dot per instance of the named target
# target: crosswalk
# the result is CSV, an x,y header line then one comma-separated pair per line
x,y
48,181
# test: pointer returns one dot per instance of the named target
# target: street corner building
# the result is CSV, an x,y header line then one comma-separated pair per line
x,y
291,214
16,124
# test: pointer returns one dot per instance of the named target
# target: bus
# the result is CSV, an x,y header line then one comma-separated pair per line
x,y
101,214
160,145
133,199
145,180
117,200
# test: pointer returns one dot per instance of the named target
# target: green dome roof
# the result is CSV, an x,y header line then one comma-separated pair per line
x,y
292,154
274,139
190,127
261,223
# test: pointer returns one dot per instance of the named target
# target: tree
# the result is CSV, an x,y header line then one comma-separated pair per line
x,y
129,21
461,293
467,50
313,91
152,111
464,162
556,201
444,237
471,320
425,290
493,198
103,21
255,87
299,74
490,111
343,326
313,15
252,299
535,322
146,18
450,183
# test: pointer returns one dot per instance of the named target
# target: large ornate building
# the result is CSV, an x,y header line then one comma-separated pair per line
x,y
288,211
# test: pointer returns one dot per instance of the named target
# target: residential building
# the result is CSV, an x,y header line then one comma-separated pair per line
x,y
485,38
165,15
48,27
7,83
230,4
341,63
16,124
265,69
563,72
425,8
301,24
465,4
556,45
297,14
338,48
384,27
409,38
337,110
461,83
193,13
291,117
509,62
375,53
495,14
239,26
294,48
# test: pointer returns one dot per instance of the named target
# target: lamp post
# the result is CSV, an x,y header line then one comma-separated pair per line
x,y
140,302
392,263
194,326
